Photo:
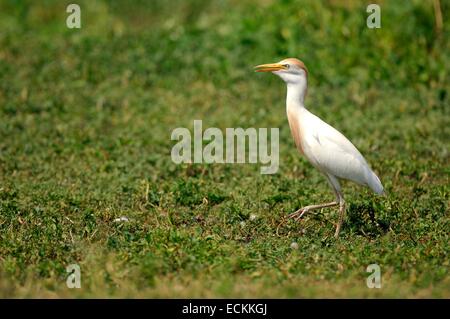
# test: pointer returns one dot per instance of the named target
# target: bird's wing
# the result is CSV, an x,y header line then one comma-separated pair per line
x,y
335,154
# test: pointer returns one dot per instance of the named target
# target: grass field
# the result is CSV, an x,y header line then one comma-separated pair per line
x,y
85,122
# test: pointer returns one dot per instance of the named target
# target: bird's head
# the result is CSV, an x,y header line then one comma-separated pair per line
x,y
290,70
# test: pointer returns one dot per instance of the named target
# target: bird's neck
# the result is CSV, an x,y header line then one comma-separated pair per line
x,y
296,93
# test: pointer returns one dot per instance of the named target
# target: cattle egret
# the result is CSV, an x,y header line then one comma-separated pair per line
x,y
326,148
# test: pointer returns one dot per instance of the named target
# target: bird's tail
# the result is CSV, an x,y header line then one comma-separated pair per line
x,y
375,184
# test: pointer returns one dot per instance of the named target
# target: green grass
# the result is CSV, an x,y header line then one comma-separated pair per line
x,y
85,123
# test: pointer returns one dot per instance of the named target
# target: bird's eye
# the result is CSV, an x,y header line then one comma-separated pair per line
x,y
286,66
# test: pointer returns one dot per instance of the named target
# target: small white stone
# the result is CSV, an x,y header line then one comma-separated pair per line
x,y
294,245
121,219
253,216
242,224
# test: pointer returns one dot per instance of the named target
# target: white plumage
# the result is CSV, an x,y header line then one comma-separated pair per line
x,y
325,147
332,153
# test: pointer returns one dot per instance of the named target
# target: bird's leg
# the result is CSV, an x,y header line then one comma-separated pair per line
x,y
341,216
299,213
334,183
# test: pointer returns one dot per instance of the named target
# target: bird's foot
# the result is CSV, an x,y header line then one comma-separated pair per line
x,y
298,213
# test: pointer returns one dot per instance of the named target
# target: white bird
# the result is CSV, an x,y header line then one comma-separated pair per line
x,y
325,147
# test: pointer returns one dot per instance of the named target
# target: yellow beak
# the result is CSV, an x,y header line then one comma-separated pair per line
x,y
270,67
